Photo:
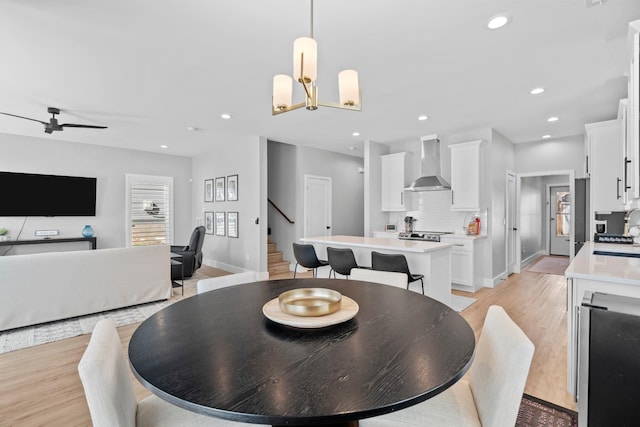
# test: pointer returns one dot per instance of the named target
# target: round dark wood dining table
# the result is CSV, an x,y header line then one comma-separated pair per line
x,y
217,354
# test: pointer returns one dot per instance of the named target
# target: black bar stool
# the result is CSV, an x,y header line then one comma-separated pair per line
x,y
306,257
341,260
397,263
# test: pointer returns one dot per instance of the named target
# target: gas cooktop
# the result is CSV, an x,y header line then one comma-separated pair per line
x,y
429,236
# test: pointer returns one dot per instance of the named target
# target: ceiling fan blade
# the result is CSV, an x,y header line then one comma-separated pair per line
x,y
72,125
22,117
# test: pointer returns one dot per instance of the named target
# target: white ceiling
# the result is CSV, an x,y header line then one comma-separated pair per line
x,y
149,69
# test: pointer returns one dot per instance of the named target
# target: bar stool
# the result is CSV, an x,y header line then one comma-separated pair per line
x,y
341,260
306,256
397,263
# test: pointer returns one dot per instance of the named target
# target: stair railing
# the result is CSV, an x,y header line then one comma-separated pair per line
x,y
280,211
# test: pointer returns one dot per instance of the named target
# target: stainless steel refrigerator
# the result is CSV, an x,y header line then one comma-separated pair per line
x,y
581,214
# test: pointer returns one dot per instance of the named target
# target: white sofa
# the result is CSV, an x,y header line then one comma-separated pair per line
x,y
43,287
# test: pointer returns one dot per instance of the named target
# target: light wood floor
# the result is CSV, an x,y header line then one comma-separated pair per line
x,y
40,385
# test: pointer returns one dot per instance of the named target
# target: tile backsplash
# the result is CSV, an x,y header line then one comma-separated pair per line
x,y
432,209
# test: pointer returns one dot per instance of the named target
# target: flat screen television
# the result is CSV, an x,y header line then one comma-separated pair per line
x,y
29,194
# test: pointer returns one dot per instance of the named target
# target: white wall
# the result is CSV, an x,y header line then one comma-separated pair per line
x,y
374,218
240,156
109,166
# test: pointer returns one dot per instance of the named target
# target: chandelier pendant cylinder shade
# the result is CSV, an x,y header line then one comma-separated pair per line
x,y
305,69
348,88
282,92
305,60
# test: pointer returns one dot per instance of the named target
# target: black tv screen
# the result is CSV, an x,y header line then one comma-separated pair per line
x,y
28,194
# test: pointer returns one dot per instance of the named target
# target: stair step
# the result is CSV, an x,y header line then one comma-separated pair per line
x,y
279,267
274,257
271,247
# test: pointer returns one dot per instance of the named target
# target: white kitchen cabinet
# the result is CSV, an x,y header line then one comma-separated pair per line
x,y
393,174
632,115
466,272
467,175
607,166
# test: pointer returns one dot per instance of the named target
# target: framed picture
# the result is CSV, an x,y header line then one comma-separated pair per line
x,y
232,187
208,221
208,190
220,189
232,224
220,224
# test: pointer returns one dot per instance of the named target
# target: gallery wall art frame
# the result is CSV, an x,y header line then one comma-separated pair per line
x,y
232,224
208,222
232,188
208,190
220,224
220,189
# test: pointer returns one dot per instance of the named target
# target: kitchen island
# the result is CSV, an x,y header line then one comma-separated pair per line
x,y
431,259
611,274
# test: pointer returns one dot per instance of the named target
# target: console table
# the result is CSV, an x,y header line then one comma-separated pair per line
x,y
92,241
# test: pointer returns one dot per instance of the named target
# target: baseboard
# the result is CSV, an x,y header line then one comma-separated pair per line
x,y
464,288
525,262
223,266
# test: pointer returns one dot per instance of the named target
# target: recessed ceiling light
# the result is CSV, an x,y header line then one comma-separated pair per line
x,y
422,118
356,134
164,146
225,116
537,91
552,119
498,21
192,128
546,136
352,148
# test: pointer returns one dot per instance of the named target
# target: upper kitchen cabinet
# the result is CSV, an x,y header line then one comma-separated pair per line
x,y
393,174
607,166
467,175
632,114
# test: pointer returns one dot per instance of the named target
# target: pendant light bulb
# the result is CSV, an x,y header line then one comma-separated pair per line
x,y
305,59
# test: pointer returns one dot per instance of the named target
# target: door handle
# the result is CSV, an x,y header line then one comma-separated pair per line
x,y
514,229
328,227
618,180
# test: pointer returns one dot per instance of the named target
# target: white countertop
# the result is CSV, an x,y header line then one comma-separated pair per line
x,y
463,236
607,268
380,243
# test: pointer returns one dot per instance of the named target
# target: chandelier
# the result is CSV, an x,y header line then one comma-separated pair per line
x,y
305,67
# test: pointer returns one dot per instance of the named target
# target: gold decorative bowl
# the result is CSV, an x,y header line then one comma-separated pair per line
x,y
310,302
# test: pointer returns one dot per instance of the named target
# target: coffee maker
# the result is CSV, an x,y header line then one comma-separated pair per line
x,y
408,224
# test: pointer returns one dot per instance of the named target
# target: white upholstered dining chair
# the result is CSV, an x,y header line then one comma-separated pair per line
x,y
212,283
385,277
107,386
491,397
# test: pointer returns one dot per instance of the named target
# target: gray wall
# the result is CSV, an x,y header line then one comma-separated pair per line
x,y
109,166
551,155
296,161
233,156
531,216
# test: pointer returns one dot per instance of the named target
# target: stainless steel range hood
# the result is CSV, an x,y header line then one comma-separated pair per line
x,y
429,179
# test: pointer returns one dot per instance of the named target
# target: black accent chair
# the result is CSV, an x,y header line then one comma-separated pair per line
x,y
191,255
341,260
306,256
396,263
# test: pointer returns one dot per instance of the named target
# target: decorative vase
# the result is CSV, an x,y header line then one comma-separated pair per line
x,y
87,231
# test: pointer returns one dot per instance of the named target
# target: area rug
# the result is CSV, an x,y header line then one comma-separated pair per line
x,y
550,265
459,303
16,339
536,412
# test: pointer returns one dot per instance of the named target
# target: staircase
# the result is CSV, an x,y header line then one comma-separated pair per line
x,y
278,268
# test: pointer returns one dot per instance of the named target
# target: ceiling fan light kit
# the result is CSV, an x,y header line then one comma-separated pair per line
x,y
53,124
305,67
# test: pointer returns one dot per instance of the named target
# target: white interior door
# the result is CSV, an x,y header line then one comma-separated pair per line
x,y
317,206
559,220
511,223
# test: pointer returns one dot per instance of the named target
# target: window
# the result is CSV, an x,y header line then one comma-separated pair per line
x,y
149,210
563,214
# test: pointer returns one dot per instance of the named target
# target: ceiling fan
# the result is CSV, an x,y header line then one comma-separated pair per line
x,y
52,124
